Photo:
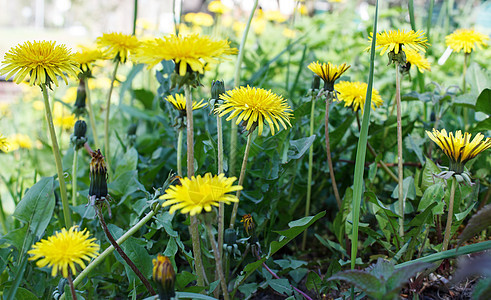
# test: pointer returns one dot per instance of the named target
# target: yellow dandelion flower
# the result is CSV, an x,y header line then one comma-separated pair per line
x,y
255,106
86,58
66,122
199,19
218,7
466,39
164,275
275,16
459,148
198,193
328,72
42,60
179,102
65,248
19,141
288,33
416,59
70,95
249,224
4,144
118,45
393,40
353,94
193,50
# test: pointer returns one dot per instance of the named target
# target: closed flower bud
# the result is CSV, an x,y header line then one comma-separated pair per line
x,y
79,106
98,177
249,225
165,277
217,88
316,83
78,138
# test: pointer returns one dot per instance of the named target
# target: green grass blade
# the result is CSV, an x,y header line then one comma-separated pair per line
x,y
362,148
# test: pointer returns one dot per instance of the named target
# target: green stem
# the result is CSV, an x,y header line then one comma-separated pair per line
x,y
448,226
90,111
102,257
57,156
3,218
106,122
179,151
70,283
362,150
135,15
198,262
465,110
218,261
241,179
309,176
328,150
74,178
400,166
238,64
221,206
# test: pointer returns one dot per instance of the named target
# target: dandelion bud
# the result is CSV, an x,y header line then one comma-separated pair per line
x,y
79,106
78,138
230,237
217,88
98,176
316,83
165,276
249,225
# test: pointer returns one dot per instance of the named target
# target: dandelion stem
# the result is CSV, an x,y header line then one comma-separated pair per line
x,y
179,151
328,150
106,122
57,156
70,283
241,179
193,226
400,167
218,261
465,110
221,206
448,226
123,255
90,111
74,177
3,217
309,176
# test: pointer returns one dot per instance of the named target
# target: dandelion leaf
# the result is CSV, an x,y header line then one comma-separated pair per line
x,y
480,221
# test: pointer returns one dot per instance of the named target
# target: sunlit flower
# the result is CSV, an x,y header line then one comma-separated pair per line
x,y
43,61
416,59
118,45
65,121
64,249
288,33
218,7
466,39
164,275
70,95
87,57
193,50
275,16
199,19
179,102
255,106
19,141
198,193
4,144
459,148
328,72
394,40
354,95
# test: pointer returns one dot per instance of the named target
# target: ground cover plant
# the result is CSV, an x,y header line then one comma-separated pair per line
x,y
336,160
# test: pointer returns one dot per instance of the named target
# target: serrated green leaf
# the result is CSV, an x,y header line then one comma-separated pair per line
x,y
368,283
281,285
432,194
478,222
313,281
428,179
382,269
483,102
301,146
402,275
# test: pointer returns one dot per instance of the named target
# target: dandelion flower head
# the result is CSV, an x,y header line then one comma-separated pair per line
x,y
19,141
255,106
353,94
196,194
4,144
118,45
416,59
86,57
328,72
218,7
178,101
199,19
458,147
393,40
65,249
42,60
466,39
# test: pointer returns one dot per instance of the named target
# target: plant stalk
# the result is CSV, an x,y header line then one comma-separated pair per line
x,y
218,262
400,166
221,206
465,110
309,176
328,150
90,111
179,151
448,226
106,122
241,179
74,177
123,255
70,283
57,156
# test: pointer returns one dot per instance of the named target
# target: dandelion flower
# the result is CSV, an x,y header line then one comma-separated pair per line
x,y
87,57
42,60
255,106
118,45
249,224
193,50
466,39
218,7
459,148
328,72
4,144
179,102
199,19
416,59
354,95
164,275
198,193
275,16
393,40
19,141
65,248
